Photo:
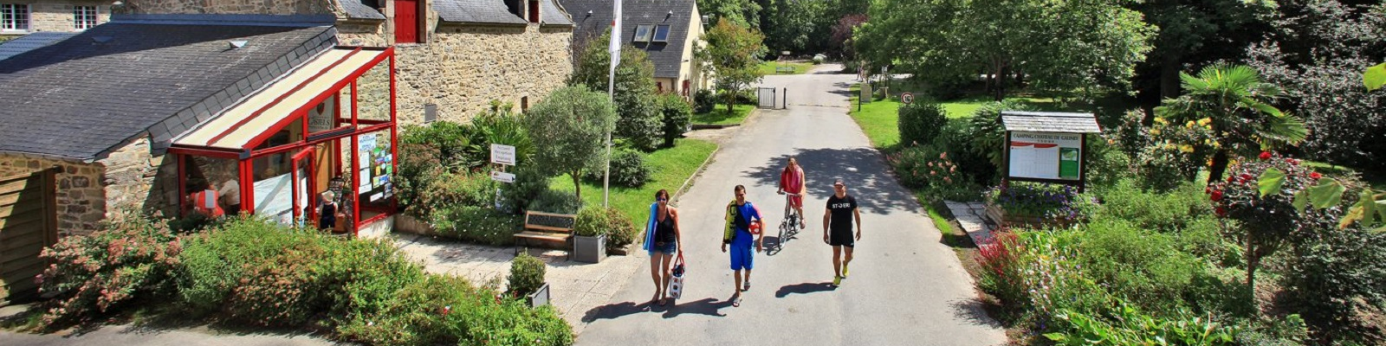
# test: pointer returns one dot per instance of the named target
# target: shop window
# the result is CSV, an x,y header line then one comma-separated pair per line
x,y
83,17
14,17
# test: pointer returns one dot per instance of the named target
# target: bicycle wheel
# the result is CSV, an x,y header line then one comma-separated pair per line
x,y
784,236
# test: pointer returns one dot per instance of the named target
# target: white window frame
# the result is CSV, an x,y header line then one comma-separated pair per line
x,y
643,32
78,12
654,35
28,18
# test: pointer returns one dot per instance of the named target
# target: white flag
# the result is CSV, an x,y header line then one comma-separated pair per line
x,y
615,36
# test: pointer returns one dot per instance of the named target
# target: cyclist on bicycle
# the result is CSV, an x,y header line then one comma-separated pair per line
x,y
792,182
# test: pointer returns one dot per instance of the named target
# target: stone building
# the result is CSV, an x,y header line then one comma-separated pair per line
x,y
22,17
667,30
455,56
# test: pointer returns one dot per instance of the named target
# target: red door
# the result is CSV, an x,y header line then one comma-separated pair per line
x,y
406,21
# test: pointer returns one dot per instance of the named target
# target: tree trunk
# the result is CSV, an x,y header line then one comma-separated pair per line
x,y
1252,259
1219,167
1000,83
731,99
577,186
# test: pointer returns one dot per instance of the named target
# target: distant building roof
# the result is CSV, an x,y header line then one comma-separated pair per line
x,y
551,13
593,17
85,96
476,12
1050,122
30,42
362,9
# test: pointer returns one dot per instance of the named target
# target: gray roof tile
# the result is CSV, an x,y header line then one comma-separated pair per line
x,y
551,15
31,42
359,9
667,57
475,12
1050,122
80,99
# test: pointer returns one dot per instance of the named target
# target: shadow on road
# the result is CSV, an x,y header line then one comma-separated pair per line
x,y
804,288
843,88
614,311
974,311
862,169
705,306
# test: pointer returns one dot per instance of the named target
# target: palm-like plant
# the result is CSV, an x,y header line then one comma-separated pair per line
x,y
1238,103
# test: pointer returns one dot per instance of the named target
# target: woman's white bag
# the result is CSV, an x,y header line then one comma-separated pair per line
x,y
676,285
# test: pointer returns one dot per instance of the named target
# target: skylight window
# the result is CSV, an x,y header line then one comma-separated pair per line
x,y
661,33
642,33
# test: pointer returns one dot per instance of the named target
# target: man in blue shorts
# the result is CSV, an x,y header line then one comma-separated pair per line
x,y
741,216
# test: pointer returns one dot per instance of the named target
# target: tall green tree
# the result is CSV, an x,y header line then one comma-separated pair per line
x,y
1196,32
745,13
733,54
1238,104
636,102
1061,45
797,26
571,124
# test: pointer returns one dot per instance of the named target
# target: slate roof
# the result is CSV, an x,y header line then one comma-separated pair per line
x,y
667,57
552,14
1050,122
476,12
362,9
31,42
85,96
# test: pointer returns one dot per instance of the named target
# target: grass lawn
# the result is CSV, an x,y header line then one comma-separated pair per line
x,y
669,168
768,67
720,116
878,118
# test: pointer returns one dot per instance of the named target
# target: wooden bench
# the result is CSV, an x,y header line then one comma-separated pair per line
x,y
784,69
546,229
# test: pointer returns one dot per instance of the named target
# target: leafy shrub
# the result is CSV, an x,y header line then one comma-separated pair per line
x,y
920,122
1106,162
1267,221
1176,152
258,272
627,169
526,275
988,135
616,225
928,167
447,310
1130,326
704,100
554,201
1165,211
1338,278
956,138
1048,201
1001,273
530,182
451,140
131,257
476,224
448,190
1144,267
677,113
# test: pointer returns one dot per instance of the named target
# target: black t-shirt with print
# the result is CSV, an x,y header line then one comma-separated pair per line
x,y
841,209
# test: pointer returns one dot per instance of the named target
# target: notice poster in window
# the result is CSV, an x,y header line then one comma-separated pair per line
x,y
1044,155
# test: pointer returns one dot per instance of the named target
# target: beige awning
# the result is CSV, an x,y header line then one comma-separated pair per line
x,y
277,102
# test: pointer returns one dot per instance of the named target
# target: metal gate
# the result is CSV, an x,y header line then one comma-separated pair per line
x,y
28,223
766,98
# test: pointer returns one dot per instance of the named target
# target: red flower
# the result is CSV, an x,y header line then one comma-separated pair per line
x,y
1315,175
1222,212
1246,177
1265,155
1217,196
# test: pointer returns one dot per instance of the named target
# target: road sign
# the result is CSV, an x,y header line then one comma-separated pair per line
x,y
907,98
503,154
502,177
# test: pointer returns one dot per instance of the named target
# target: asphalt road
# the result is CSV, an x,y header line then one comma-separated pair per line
x,y
905,288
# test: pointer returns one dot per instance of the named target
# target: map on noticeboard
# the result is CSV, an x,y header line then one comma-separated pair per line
x,y
1045,155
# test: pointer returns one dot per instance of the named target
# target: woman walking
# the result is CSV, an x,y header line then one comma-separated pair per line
x,y
663,241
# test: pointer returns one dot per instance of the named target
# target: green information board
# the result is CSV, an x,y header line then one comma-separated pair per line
x,y
1068,163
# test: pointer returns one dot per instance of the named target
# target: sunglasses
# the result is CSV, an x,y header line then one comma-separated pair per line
x,y
661,199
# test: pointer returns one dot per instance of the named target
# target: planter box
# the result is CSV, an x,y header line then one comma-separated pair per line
x,y
410,224
540,297
998,216
589,249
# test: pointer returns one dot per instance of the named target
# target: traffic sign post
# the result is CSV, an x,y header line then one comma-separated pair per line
x,y
907,97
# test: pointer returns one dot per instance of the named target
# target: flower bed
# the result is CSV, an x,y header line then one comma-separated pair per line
x,y
1034,205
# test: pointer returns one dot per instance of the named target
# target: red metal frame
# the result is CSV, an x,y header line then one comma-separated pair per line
x,y
302,111
306,153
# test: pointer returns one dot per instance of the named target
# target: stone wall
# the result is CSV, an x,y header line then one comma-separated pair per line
x,y
81,199
463,68
57,16
270,7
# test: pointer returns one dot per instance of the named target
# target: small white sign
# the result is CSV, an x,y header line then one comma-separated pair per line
x,y
503,154
502,177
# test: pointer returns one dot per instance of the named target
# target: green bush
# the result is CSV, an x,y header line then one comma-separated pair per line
x,y
526,275
1338,278
1144,267
627,169
258,272
1130,326
131,257
929,168
455,189
956,138
476,224
442,309
451,141
920,122
704,100
616,225
554,201
677,114
987,133
1164,211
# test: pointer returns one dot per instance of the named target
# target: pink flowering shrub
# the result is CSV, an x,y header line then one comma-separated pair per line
x,y
926,167
132,257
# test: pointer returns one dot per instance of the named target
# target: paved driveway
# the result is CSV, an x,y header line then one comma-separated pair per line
x,y
906,288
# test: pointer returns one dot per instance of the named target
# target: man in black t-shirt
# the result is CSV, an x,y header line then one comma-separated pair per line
x,y
837,228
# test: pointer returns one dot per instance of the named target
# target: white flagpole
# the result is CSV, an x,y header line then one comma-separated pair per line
x,y
615,49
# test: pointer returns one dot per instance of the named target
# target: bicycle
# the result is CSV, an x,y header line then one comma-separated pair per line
x,y
791,219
